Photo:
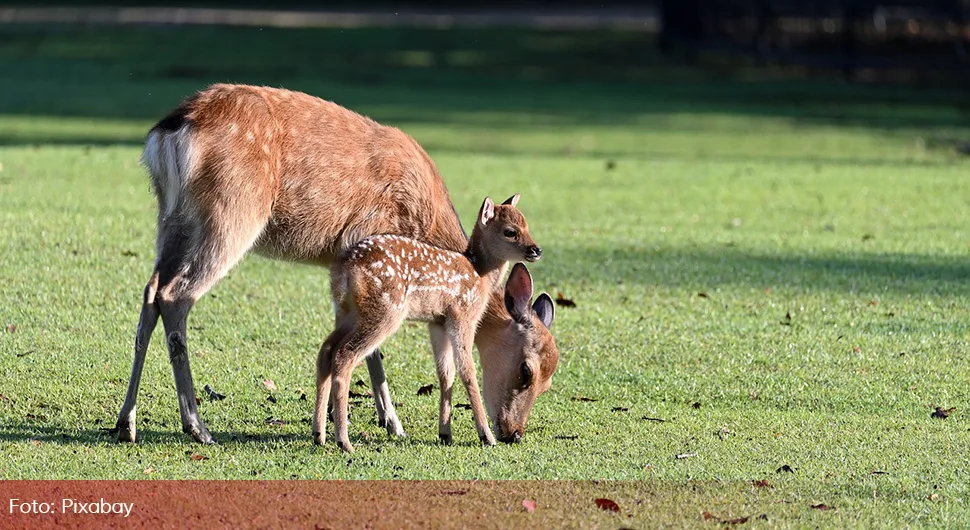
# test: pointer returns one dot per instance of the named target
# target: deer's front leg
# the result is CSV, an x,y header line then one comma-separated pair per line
x,y
462,338
386,415
445,363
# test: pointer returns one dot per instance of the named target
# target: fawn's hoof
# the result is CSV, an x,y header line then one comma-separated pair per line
x,y
487,439
346,446
445,439
318,438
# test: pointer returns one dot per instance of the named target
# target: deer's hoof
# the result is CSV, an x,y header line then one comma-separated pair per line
x,y
126,433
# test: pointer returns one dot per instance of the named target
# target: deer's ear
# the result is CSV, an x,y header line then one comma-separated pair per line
x,y
487,211
545,309
518,294
512,201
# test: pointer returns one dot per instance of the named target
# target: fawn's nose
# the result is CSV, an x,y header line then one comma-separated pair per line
x,y
534,253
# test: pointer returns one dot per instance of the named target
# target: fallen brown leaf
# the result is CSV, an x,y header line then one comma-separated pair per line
x,y
275,421
787,320
129,253
529,505
197,400
584,398
873,303
702,294
736,520
213,395
942,413
197,456
696,404
271,398
761,483
360,395
465,406
4,398
648,418
685,455
425,390
608,505
148,470
708,516
619,409
11,328
785,469
823,507
565,437
35,442
564,302
878,473
269,384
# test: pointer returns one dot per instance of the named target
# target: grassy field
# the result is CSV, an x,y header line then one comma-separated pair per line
x,y
777,269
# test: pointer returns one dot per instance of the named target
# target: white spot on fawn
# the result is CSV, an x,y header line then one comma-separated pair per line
x,y
250,136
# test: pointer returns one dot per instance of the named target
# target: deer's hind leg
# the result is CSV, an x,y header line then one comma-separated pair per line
x,y
370,330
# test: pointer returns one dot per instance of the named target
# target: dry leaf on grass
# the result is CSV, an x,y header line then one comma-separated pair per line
x,y
425,390
529,505
607,505
564,302
269,384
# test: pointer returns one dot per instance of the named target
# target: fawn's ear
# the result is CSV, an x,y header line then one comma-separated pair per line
x,y
518,294
545,309
512,201
487,212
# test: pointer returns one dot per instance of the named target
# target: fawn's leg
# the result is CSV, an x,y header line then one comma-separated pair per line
x,y
445,364
369,332
386,415
146,326
462,338
324,376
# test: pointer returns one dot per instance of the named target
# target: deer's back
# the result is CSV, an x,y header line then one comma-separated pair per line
x,y
333,176
388,273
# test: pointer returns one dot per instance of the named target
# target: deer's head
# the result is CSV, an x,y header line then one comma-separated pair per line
x,y
518,355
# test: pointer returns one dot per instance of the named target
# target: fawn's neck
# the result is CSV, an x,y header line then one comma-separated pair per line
x,y
487,266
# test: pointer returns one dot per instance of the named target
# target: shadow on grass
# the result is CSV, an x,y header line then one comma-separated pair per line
x,y
499,79
707,268
29,432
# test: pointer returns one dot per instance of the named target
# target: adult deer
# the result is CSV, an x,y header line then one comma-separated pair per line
x,y
294,177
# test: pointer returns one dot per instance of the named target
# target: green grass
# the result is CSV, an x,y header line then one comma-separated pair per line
x,y
843,207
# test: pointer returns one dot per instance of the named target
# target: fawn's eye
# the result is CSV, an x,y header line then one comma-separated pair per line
x,y
509,232
526,374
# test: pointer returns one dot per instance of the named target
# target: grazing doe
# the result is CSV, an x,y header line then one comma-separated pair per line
x,y
239,169
384,280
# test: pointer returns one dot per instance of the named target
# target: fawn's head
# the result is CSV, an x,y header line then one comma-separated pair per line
x,y
518,357
503,233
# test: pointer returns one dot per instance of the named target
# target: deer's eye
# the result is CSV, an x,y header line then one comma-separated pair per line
x,y
509,232
526,374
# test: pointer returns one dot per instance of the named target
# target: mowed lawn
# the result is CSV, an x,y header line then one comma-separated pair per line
x,y
775,269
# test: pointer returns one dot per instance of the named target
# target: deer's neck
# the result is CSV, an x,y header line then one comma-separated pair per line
x,y
489,268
